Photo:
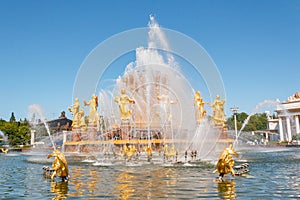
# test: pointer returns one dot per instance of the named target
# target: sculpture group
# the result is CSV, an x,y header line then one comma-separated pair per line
x,y
80,121
218,116
134,125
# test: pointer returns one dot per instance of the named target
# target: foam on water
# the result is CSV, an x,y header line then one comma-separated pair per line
x,y
103,164
189,165
88,161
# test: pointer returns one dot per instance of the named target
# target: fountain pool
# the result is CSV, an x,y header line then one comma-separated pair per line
x,y
274,174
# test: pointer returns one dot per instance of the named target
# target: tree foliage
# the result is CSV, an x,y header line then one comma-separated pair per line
x,y
17,132
255,122
12,118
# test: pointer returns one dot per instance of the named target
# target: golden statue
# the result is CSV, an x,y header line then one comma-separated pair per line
x,y
4,150
169,152
129,151
93,115
82,122
218,111
166,101
297,95
75,111
199,103
225,163
149,152
123,102
59,165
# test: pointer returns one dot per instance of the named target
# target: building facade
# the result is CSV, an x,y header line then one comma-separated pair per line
x,y
287,122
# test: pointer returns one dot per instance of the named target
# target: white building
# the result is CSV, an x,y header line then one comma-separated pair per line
x,y
287,123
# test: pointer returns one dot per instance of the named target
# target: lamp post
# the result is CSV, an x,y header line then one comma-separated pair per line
x,y
234,110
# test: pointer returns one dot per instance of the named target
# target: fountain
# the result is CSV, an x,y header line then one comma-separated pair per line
x,y
3,141
149,135
151,114
254,111
36,109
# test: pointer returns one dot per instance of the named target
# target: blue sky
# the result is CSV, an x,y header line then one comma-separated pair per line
x,y
255,45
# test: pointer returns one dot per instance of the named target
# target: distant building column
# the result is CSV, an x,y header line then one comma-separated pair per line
x,y
288,127
280,129
297,124
267,138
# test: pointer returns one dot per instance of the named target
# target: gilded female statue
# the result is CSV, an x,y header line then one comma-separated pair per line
x,y
75,110
166,101
218,111
82,122
199,104
93,114
123,102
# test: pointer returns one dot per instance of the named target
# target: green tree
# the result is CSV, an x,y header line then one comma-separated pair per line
x,y
12,118
11,130
256,122
23,135
240,118
259,121
2,122
17,132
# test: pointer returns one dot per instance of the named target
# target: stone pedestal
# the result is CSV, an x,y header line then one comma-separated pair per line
x,y
92,132
224,134
125,129
76,134
167,130
222,131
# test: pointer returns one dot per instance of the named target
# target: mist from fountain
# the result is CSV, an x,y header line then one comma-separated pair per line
x,y
205,140
153,74
36,109
3,136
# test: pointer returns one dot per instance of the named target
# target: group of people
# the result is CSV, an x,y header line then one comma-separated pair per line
x,y
193,155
